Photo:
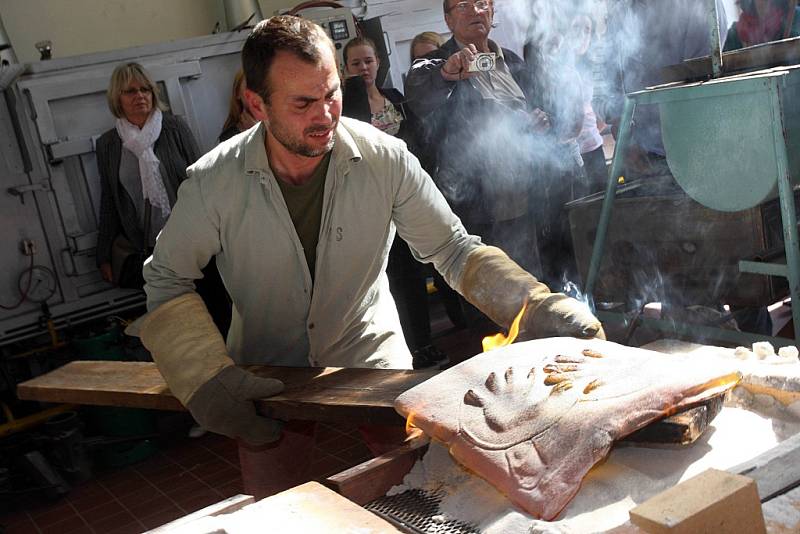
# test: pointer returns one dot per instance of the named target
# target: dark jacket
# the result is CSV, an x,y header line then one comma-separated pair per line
x,y
228,132
355,104
176,148
476,144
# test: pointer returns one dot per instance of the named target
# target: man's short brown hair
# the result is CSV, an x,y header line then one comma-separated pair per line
x,y
296,35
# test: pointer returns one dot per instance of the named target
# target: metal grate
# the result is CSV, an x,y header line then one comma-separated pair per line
x,y
417,511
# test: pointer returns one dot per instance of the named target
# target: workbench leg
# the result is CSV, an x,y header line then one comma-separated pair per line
x,y
791,242
272,468
605,212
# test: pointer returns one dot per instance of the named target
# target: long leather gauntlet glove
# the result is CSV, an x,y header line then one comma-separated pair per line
x,y
499,287
191,356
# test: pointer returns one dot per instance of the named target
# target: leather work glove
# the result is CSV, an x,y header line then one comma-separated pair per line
x,y
224,405
499,287
191,356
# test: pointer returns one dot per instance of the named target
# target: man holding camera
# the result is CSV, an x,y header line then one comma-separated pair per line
x,y
472,97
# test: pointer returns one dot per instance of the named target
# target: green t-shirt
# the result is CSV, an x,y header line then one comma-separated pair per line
x,y
305,208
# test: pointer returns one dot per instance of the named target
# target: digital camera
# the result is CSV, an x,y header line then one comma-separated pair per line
x,y
483,62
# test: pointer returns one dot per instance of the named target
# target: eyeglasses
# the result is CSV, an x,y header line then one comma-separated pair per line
x,y
463,7
131,91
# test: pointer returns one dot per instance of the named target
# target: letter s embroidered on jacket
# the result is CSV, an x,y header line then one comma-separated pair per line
x,y
339,232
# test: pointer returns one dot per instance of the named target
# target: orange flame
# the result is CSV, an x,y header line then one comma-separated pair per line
x,y
410,427
499,340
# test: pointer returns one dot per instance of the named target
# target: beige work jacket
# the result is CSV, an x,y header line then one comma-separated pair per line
x,y
231,207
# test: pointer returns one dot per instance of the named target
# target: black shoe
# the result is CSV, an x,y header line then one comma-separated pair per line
x,y
429,356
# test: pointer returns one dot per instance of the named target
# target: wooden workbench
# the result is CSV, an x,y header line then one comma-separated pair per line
x,y
331,394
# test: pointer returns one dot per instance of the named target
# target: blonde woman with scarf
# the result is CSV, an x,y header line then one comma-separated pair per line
x,y
142,161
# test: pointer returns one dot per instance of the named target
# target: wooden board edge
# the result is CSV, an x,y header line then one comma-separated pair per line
x,y
160,401
369,480
227,506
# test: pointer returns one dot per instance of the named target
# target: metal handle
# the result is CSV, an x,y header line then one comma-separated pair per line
x,y
716,49
387,43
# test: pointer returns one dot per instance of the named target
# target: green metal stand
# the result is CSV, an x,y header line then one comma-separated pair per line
x,y
722,191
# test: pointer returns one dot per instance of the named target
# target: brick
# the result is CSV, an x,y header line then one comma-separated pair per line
x,y
712,502
72,524
117,521
162,517
95,515
55,514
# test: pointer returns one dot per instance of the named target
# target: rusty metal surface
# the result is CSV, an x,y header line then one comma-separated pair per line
x,y
763,56
663,246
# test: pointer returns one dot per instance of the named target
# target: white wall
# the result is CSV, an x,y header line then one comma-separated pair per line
x,y
86,26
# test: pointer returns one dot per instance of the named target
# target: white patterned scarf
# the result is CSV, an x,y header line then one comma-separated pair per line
x,y
141,143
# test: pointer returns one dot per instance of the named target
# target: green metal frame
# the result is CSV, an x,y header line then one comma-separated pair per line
x,y
791,270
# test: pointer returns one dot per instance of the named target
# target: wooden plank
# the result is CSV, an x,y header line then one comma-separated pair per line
x,y
776,471
102,383
680,430
362,396
369,480
782,514
228,506
365,396
311,507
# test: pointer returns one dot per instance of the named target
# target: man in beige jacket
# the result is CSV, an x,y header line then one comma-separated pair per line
x,y
300,212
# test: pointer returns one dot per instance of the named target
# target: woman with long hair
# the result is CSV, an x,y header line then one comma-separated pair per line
x,y
239,118
385,109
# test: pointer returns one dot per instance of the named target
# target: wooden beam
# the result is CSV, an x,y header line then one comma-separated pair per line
x,y
367,481
776,471
336,395
679,430
102,383
227,506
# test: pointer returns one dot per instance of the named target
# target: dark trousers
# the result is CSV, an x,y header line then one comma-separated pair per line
x,y
553,235
594,163
407,282
450,299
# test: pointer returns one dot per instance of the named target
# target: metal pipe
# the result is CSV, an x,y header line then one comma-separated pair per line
x,y
7,54
241,14
605,212
786,197
10,68
13,425
716,49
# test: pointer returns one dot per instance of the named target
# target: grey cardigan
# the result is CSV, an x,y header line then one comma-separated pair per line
x,y
176,148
